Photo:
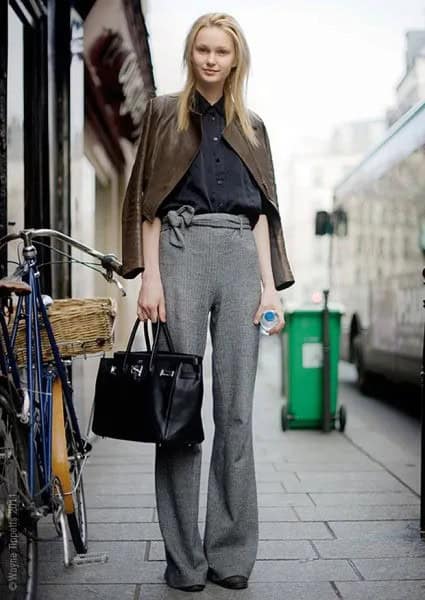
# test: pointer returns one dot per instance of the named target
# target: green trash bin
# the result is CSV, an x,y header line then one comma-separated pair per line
x,y
302,348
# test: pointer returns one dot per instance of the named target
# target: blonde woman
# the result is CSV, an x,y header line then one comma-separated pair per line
x,y
201,223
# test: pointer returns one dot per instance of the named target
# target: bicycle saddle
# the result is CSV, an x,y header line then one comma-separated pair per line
x,y
14,283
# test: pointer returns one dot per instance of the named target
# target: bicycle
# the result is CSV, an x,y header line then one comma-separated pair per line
x,y
42,451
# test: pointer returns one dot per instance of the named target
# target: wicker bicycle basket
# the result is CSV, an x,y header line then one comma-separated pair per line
x,y
80,326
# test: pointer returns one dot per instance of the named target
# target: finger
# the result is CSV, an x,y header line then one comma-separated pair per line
x,y
161,311
257,315
139,312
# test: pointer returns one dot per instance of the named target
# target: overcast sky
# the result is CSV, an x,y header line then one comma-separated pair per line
x,y
315,63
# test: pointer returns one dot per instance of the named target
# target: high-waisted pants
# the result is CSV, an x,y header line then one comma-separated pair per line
x,y
209,265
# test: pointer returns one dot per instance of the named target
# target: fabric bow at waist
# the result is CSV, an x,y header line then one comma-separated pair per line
x,y
177,219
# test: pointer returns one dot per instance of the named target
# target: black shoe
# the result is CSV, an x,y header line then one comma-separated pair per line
x,y
234,582
198,587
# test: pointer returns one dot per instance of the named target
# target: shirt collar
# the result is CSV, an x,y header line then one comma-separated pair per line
x,y
202,104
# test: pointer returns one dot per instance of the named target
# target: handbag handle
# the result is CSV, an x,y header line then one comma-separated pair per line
x,y
159,325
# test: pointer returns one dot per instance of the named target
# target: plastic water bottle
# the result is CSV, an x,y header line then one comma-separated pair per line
x,y
268,319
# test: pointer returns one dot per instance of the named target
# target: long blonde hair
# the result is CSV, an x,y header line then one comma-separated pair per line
x,y
233,90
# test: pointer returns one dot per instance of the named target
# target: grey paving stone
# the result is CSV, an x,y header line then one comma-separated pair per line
x,y
120,515
86,592
361,464
357,513
294,531
108,446
288,550
391,568
381,590
255,591
127,455
123,484
129,486
273,513
402,530
94,500
269,487
112,531
408,472
52,551
132,469
364,498
269,476
358,548
303,570
164,592
305,453
124,531
125,565
284,499
263,467
375,477
340,484
112,480
266,550
116,461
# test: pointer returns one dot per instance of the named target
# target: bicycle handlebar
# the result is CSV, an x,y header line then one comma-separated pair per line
x,y
108,261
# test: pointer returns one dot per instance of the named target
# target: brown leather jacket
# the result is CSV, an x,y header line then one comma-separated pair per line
x,y
163,157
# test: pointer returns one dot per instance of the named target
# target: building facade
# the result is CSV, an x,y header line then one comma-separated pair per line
x,y
75,77
311,178
411,89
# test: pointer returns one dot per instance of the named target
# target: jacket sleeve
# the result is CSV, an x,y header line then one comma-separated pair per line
x,y
282,271
132,211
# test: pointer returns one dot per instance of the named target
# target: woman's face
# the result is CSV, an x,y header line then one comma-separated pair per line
x,y
213,55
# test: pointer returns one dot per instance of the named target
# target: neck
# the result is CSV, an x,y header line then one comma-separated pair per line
x,y
210,93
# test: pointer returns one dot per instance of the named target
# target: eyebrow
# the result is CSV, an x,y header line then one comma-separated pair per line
x,y
218,47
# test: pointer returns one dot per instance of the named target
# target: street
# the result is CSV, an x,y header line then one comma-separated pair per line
x,y
339,513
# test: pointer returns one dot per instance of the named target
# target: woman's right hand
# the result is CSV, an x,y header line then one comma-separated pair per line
x,y
151,300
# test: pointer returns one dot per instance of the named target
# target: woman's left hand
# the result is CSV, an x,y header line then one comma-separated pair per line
x,y
270,301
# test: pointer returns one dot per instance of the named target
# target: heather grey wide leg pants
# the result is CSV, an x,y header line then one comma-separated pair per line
x,y
209,264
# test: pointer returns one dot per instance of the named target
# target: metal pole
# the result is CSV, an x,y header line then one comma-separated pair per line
x,y
422,516
3,131
326,424
59,61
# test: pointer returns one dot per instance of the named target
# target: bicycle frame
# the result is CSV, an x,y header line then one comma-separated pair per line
x,y
46,391
40,379
40,376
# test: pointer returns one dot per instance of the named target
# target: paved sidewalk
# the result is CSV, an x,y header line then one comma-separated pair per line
x,y
334,523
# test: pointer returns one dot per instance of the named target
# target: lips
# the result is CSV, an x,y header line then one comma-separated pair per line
x,y
210,71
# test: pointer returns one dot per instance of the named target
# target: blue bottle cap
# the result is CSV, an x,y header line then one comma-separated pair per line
x,y
269,315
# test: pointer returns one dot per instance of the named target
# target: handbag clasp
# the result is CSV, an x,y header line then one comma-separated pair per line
x,y
166,372
136,371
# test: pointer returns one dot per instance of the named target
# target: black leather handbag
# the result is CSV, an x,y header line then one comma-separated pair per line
x,y
150,396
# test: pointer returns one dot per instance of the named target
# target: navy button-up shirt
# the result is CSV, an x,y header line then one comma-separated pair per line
x,y
217,180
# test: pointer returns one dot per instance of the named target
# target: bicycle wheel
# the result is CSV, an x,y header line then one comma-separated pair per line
x,y
18,529
67,466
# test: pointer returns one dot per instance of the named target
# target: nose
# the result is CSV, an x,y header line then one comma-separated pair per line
x,y
211,59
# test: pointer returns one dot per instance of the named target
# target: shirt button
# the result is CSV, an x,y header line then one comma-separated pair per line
x,y
213,118
219,181
215,138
